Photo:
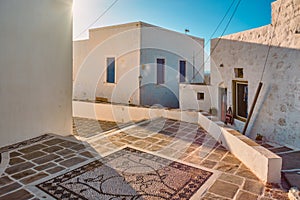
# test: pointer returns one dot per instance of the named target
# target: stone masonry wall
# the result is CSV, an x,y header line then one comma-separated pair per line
x,y
276,115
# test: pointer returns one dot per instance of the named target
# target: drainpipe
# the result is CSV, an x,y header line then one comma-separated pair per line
x,y
252,107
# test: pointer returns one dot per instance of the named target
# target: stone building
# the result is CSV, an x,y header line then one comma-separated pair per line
x,y
271,55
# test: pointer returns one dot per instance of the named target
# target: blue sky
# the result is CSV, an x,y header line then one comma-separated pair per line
x,y
201,17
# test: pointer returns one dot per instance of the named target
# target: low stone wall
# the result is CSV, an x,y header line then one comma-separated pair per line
x,y
262,162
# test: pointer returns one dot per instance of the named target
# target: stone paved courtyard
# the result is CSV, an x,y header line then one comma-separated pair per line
x,y
26,164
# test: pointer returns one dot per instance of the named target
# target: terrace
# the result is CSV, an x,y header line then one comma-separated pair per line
x,y
151,159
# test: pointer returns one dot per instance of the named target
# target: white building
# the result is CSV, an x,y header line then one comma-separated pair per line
x,y
136,63
270,54
35,69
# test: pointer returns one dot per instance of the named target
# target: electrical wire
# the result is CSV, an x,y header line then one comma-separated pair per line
x,y
218,25
270,42
97,19
219,39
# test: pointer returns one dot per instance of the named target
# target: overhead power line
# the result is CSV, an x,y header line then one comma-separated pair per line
x,y
219,39
270,42
97,19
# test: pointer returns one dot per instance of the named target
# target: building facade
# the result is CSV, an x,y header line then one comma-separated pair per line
x,y
270,55
136,63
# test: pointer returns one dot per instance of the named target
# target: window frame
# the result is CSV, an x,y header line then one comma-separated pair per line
x,y
107,68
185,70
163,71
200,96
235,100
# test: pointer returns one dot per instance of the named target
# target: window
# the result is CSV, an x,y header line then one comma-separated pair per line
x,y
238,72
182,70
160,70
200,96
240,92
110,70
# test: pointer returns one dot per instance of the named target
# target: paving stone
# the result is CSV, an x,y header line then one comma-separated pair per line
x,y
64,152
68,144
78,147
72,161
45,159
255,187
208,163
210,196
68,156
111,145
19,167
34,178
102,150
17,195
215,157
131,138
5,180
155,148
265,198
151,139
167,151
54,141
55,169
246,173
14,154
58,160
16,160
227,167
52,149
33,155
223,189
231,178
243,195
23,174
194,159
9,188
32,148
118,144
87,154
189,149
220,150
141,144
231,159
45,166
164,142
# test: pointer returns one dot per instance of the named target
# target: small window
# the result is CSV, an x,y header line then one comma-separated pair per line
x,y
182,70
160,70
238,72
110,70
200,96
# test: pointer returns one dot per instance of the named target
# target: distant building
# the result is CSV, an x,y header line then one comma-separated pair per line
x,y
238,63
136,63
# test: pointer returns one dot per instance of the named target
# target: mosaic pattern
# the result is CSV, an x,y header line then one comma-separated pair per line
x,y
25,143
128,174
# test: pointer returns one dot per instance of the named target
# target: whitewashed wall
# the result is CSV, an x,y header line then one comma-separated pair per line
x,y
188,97
136,47
121,42
35,69
277,112
156,43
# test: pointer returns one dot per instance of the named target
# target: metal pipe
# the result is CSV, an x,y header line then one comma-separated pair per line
x,y
252,107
